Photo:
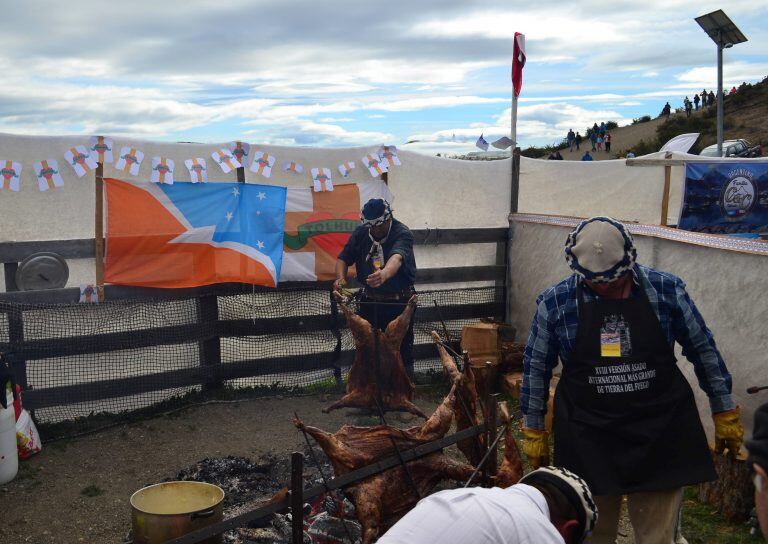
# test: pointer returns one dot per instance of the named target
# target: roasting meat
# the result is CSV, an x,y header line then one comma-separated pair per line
x,y
511,469
390,379
385,497
465,408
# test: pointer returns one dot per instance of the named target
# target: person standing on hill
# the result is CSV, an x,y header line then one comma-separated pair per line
x,y
571,139
688,107
711,100
578,141
696,101
704,97
595,128
600,143
607,142
602,128
593,139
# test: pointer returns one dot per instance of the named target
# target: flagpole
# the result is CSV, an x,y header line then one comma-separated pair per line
x,y
513,131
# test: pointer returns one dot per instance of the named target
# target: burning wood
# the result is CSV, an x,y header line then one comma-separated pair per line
x,y
387,496
390,380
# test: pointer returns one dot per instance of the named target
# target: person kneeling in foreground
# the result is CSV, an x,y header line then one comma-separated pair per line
x,y
758,456
625,418
548,506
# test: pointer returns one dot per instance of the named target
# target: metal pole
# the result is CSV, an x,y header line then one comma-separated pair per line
x,y
720,98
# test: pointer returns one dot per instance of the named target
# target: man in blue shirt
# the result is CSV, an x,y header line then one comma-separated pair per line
x,y
382,251
625,418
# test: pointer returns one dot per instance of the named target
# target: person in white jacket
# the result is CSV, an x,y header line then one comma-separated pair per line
x,y
548,506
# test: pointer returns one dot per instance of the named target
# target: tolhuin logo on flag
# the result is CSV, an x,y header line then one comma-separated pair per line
x,y
318,225
187,235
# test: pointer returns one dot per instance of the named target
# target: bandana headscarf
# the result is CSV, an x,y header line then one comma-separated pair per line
x,y
375,212
600,250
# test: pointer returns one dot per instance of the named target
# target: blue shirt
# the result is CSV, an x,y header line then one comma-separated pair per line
x,y
399,240
553,335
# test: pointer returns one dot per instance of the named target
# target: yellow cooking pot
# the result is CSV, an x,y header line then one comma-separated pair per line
x,y
162,512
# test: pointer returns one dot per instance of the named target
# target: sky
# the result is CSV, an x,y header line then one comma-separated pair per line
x,y
342,73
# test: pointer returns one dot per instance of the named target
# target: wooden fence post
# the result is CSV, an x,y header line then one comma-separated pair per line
x,y
297,498
99,231
665,196
16,337
210,348
514,197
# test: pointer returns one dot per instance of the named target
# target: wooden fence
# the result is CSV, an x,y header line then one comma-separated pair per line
x,y
208,329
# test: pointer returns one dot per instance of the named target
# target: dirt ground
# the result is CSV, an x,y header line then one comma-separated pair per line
x,y
78,490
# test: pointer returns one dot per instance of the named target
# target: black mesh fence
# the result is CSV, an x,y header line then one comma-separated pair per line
x,y
85,363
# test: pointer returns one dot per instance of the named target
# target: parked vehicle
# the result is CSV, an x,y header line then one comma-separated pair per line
x,y
734,148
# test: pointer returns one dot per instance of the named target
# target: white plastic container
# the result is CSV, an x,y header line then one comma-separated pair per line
x,y
9,457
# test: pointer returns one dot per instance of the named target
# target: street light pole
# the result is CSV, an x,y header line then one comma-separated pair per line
x,y
725,34
720,96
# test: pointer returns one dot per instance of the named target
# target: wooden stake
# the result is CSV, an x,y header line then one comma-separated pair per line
x,y
665,197
99,231
297,498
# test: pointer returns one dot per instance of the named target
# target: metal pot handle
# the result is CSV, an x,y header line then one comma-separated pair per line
x,y
202,515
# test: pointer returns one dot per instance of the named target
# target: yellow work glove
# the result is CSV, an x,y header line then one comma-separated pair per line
x,y
729,432
536,447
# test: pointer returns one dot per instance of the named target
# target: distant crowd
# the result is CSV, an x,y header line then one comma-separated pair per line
x,y
706,99
598,136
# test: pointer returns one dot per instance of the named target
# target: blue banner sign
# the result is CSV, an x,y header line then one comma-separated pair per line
x,y
725,198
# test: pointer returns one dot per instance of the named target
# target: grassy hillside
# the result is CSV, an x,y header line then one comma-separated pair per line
x,y
745,115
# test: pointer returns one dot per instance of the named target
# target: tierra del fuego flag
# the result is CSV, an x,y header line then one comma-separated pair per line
x,y
191,234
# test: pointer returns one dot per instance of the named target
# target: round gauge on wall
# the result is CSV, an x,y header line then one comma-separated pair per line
x,y
42,271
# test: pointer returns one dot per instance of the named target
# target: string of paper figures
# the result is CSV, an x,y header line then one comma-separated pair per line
x,y
84,159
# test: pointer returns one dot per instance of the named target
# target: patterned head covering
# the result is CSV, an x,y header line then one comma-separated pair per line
x,y
375,212
600,250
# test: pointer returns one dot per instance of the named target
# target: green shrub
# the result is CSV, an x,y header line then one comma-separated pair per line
x,y
643,119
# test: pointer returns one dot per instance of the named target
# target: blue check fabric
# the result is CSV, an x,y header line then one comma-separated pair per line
x,y
553,336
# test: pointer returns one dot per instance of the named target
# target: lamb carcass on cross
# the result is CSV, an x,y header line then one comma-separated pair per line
x,y
390,378
385,497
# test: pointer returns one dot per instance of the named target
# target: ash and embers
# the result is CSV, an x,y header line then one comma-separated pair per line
x,y
248,484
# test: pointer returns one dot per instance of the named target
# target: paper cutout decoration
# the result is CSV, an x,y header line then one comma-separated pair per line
x,y
240,151
290,166
226,160
11,175
374,164
88,293
101,148
321,179
388,154
345,168
48,176
262,163
482,143
130,160
80,159
162,170
198,173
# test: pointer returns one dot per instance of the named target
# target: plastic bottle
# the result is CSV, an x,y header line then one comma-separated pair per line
x,y
9,457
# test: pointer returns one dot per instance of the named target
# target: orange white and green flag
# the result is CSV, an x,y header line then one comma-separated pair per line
x,y
318,225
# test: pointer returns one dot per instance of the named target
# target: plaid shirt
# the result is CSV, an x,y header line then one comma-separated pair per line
x,y
553,335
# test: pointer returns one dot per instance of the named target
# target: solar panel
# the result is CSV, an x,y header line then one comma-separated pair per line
x,y
720,28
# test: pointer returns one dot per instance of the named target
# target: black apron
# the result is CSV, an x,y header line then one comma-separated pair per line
x,y
625,417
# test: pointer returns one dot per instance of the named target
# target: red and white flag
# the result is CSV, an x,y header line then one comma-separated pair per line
x,y
518,62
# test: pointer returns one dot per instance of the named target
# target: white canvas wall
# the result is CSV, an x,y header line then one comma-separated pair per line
x,y
728,288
